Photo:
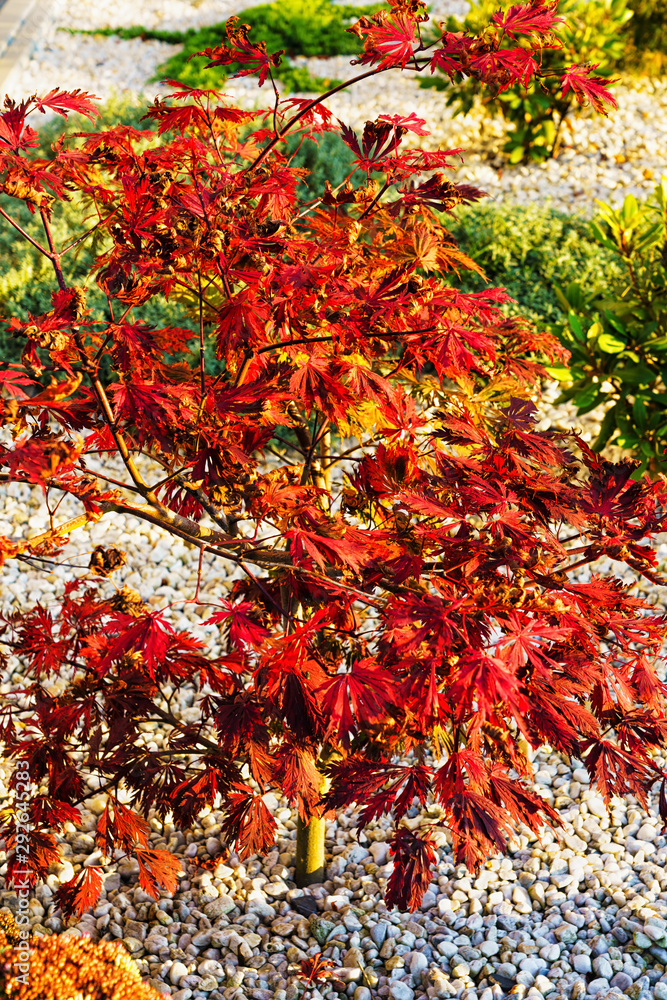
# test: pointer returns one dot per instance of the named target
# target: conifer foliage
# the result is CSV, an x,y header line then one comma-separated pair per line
x,y
405,622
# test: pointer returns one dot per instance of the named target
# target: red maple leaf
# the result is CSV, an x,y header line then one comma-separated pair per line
x,y
350,550
81,892
357,697
414,858
479,827
242,322
316,969
409,122
151,406
451,56
526,638
489,682
11,382
389,39
316,116
158,870
190,796
506,67
119,823
298,777
528,19
409,783
149,635
64,102
523,805
14,132
366,384
315,382
172,118
242,50
615,771
585,88
182,92
35,858
652,691
244,629
248,822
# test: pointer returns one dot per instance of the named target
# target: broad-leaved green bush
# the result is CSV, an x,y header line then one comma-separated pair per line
x,y
617,331
646,51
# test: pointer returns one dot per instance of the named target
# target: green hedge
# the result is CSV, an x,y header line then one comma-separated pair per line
x,y
531,249
647,51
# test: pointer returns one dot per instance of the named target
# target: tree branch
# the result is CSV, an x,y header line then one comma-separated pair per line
x,y
24,234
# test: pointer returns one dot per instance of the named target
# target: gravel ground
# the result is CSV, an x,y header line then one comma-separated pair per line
x,y
577,916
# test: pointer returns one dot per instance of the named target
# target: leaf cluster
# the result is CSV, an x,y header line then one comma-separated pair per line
x,y
596,31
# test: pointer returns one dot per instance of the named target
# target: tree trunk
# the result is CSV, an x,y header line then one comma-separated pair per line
x,y
309,851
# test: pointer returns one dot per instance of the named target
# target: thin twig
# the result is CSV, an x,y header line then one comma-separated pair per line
x,y
88,232
24,234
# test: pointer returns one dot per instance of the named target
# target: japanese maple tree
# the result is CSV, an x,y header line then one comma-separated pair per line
x,y
406,621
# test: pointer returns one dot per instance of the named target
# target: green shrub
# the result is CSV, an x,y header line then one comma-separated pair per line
x,y
529,250
595,31
300,27
617,331
646,52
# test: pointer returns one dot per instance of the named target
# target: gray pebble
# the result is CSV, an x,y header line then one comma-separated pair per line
x,y
418,963
602,967
401,991
219,907
379,931
621,981
177,972
598,986
159,987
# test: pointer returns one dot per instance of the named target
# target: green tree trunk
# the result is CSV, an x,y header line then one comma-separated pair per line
x,y
309,851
